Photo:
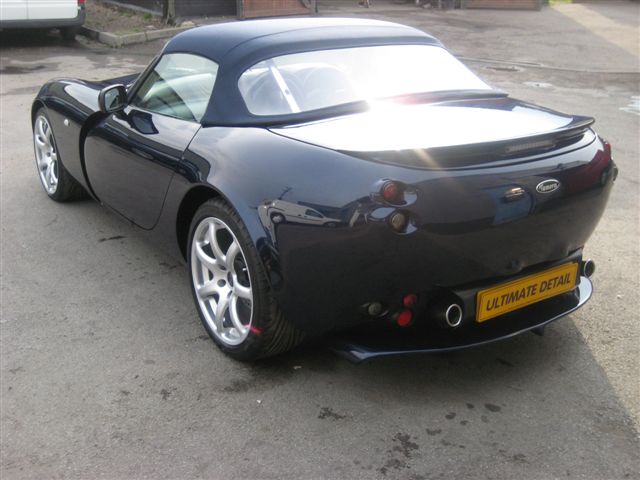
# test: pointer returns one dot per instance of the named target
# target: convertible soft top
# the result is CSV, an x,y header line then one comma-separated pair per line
x,y
237,46
217,41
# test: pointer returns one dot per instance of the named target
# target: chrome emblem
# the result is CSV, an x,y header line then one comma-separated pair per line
x,y
548,186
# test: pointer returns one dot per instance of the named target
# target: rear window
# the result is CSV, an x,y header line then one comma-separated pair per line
x,y
308,81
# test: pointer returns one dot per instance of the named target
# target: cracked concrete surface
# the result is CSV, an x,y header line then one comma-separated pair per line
x,y
105,371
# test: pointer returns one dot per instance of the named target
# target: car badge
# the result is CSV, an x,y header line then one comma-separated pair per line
x,y
548,186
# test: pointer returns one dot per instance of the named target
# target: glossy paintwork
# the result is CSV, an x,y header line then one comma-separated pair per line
x,y
361,345
475,216
389,126
130,158
459,218
74,101
77,102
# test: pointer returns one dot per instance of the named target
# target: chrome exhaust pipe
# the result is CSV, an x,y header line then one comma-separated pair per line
x,y
453,315
588,268
447,312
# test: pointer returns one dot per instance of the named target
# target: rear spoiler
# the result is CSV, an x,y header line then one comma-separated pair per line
x,y
476,154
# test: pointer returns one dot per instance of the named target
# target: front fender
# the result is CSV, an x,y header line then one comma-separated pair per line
x,y
72,107
70,104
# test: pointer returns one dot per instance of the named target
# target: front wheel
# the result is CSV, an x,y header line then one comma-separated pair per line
x,y
230,287
56,181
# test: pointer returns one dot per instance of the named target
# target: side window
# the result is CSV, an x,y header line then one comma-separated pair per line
x,y
179,86
312,213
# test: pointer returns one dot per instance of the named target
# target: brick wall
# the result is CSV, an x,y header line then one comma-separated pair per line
x,y
270,8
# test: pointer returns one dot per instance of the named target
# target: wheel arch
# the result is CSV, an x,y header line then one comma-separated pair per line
x,y
57,112
35,106
199,194
188,207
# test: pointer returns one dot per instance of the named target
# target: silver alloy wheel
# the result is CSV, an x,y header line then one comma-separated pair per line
x,y
46,154
221,281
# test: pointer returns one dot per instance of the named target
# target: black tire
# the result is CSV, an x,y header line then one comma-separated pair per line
x,y
270,333
282,220
69,33
68,189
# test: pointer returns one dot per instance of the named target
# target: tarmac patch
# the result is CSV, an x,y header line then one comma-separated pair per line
x,y
538,84
633,107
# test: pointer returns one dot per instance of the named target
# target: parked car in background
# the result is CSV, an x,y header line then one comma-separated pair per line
x,y
65,15
278,211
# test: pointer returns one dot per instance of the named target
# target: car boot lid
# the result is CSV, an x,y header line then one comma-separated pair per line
x,y
389,126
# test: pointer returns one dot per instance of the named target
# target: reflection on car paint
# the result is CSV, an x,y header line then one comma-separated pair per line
x,y
309,188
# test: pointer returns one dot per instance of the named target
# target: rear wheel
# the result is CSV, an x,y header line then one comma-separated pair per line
x,y
69,33
230,287
56,181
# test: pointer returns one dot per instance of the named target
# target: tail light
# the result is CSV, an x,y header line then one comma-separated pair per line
x,y
404,318
607,148
613,173
410,300
391,192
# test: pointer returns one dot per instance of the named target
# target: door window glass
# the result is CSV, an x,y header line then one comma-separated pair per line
x,y
179,86
312,213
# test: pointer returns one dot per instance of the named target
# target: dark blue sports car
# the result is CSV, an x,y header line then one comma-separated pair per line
x,y
337,177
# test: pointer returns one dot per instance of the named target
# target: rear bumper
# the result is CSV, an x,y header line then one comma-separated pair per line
x,y
465,233
45,23
368,342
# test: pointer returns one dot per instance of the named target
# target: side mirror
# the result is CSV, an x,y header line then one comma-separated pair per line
x,y
112,98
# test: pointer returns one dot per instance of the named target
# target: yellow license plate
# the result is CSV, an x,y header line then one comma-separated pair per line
x,y
510,296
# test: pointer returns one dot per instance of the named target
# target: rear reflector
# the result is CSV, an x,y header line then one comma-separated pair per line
x,y
404,318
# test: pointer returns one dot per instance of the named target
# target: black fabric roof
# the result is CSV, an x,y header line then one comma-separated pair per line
x,y
236,46
215,41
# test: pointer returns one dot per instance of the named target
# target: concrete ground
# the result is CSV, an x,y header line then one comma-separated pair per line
x,y
105,371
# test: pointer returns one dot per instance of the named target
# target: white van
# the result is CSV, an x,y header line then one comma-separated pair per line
x,y
66,15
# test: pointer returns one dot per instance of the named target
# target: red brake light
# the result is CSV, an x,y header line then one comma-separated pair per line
x,y
390,192
607,147
410,300
404,318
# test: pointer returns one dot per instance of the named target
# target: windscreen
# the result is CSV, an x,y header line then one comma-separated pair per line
x,y
308,81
